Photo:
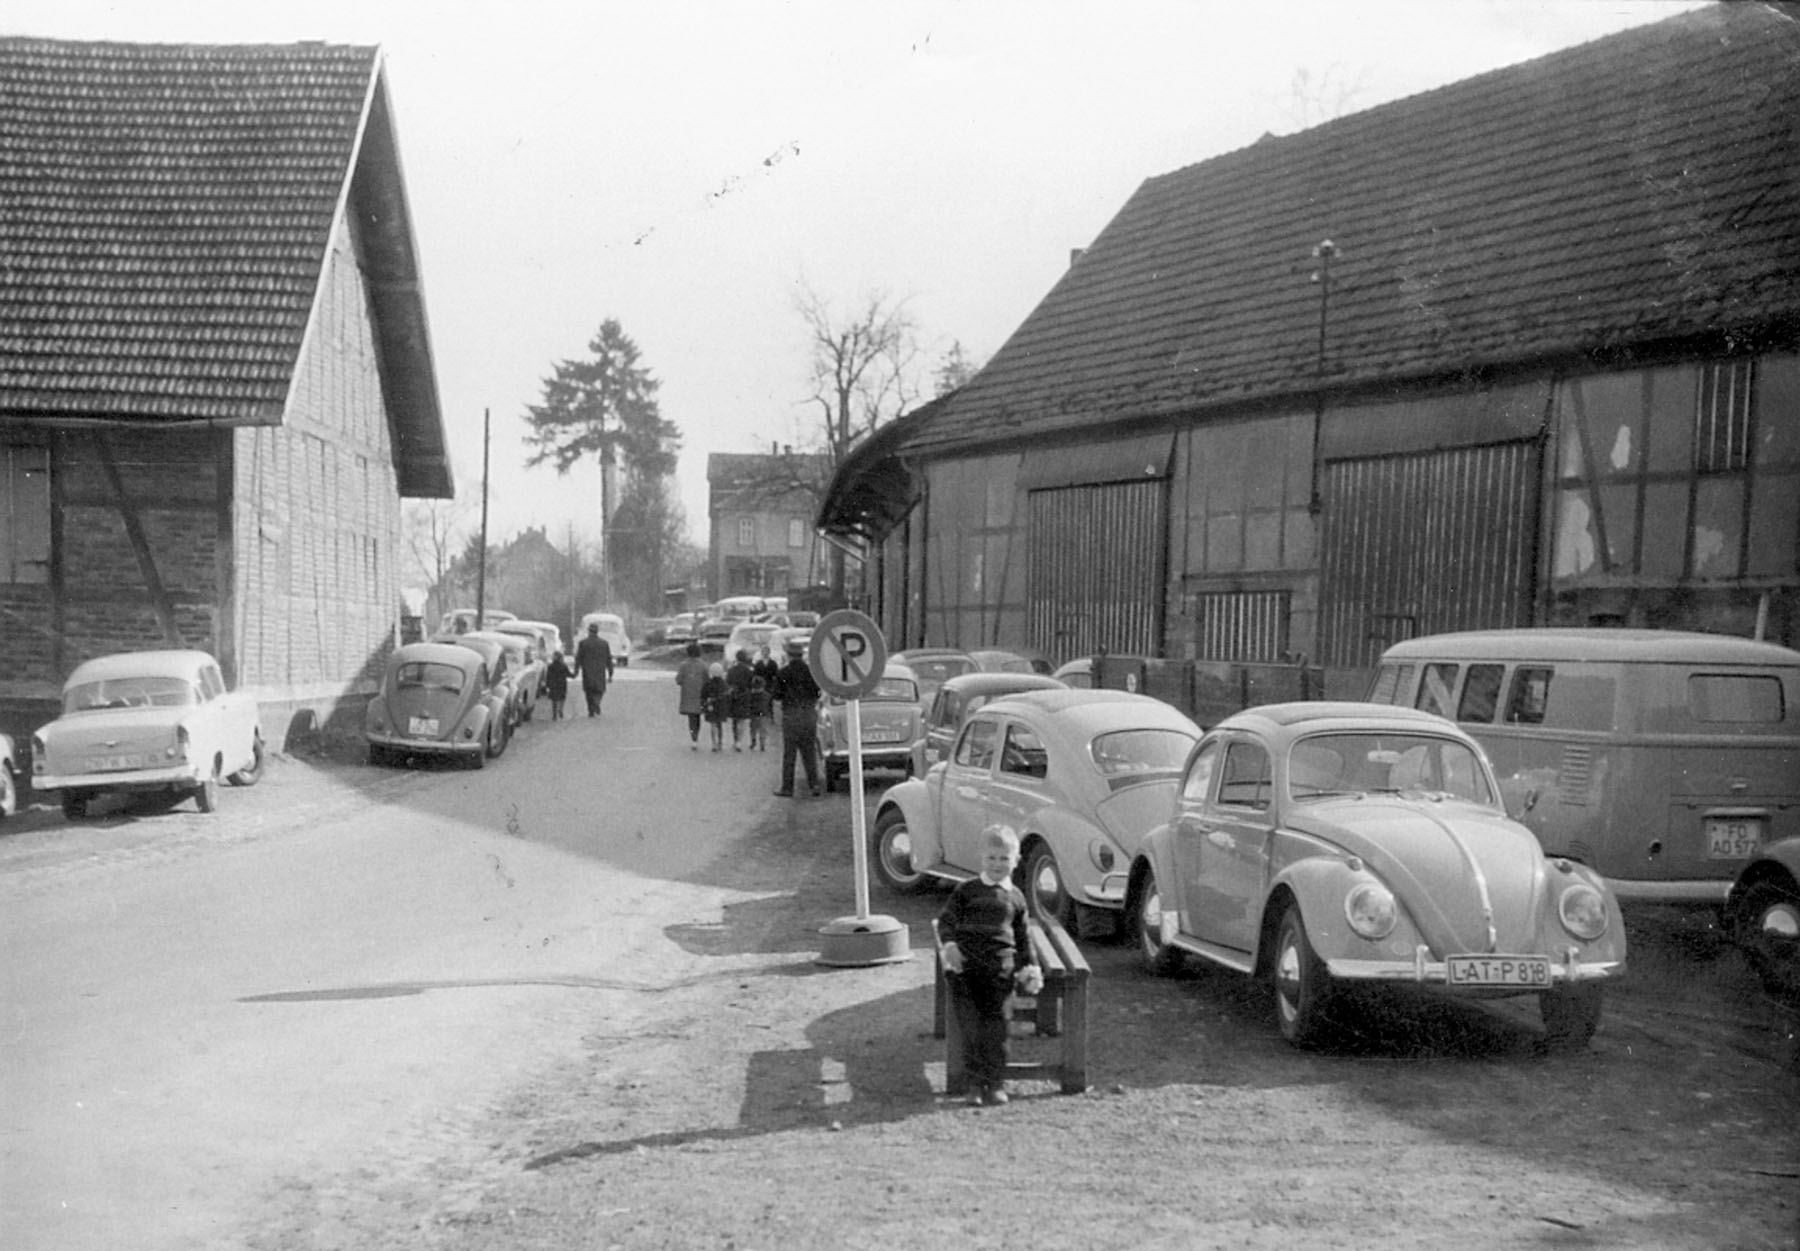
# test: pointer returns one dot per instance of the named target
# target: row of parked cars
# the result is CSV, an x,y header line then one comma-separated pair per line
x,y
1320,845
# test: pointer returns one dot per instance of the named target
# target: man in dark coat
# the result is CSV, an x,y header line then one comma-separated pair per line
x,y
594,662
798,694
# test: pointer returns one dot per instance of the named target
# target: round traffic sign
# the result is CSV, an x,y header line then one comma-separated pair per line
x,y
847,654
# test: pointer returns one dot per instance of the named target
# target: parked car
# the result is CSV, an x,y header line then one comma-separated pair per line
x,y
715,632
1323,844
148,722
462,620
1079,775
1663,759
1762,914
612,629
547,634
750,636
497,682
933,665
9,777
437,699
655,631
1078,673
956,699
524,671
741,607
682,628
889,715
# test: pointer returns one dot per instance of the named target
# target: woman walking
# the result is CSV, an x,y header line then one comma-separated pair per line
x,y
738,678
691,679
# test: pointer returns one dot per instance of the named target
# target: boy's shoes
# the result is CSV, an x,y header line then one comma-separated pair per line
x,y
816,792
785,794
977,1098
693,747
994,1098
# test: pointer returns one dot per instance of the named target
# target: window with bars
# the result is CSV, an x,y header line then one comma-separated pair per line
x,y
1723,417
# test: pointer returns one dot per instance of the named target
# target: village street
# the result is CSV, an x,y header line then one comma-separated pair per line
x,y
573,1000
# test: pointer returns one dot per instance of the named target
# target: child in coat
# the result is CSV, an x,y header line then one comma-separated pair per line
x,y
715,702
987,951
762,707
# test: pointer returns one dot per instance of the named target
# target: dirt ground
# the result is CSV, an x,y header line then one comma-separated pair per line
x,y
759,1099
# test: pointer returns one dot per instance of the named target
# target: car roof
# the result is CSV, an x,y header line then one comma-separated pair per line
x,y
985,681
435,653
1594,643
934,653
1331,713
1082,713
167,662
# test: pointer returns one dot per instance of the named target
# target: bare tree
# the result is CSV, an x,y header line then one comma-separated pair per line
x,y
435,532
863,366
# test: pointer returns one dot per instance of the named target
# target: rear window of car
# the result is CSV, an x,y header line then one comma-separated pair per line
x,y
430,675
940,671
900,690
159,692
1127,753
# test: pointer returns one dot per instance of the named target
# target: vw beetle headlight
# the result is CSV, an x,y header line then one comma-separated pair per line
x,y
1369,907
1583,912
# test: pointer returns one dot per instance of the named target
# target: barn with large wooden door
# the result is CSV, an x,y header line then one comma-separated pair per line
x,y
1523,349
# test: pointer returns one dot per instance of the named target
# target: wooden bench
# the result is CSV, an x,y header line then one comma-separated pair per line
x,y
1058,1011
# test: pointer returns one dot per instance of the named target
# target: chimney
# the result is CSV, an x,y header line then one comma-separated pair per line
x,y
1075,255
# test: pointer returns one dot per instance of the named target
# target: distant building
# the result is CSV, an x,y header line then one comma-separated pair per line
x,y
216,382
1522,350
759,510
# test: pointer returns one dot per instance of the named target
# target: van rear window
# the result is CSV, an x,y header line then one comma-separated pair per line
x,y
1741,699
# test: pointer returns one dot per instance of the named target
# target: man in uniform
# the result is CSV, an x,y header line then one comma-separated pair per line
x,y
798,695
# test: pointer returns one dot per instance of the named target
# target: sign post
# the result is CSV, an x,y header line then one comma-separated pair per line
x,y
847,656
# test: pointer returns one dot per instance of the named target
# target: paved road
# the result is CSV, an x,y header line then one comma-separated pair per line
x,y
198,1012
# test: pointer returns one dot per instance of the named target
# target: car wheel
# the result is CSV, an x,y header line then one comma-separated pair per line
x,y
74,806
1145,912
1302,986
498,736
251,773
892,853
9,792
1570,1017
1766,927
378,755
1045,890
206,795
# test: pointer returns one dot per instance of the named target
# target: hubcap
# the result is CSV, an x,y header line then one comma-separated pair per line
x,y
1781,920
897,850
1287,978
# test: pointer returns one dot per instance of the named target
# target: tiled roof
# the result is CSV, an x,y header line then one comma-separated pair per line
x,y
1641,189
165,215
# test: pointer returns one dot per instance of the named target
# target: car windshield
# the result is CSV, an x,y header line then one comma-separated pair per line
x,y
1349,764
1127,753
429,675
935,671
156,692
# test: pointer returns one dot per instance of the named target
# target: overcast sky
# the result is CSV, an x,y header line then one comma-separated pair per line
x,y
685,167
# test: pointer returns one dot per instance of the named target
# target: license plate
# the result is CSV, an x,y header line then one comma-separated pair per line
x,y
424,727
1497,970
881,736
112,764
1732,838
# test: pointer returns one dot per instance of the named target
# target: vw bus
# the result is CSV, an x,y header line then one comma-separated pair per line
x,y
1663,759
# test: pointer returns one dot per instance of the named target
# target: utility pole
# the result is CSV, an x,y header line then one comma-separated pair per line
x,y
481,564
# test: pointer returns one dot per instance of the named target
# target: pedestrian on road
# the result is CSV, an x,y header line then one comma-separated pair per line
x,y
738,678
715,698
761,705
594,662
987,953
691,679
556,684
798,695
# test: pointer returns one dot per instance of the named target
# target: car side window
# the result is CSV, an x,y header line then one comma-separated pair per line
x,y
1199,775
1481,694
1390,681
1530,695
1023,755
1246,781
1435,687
975,749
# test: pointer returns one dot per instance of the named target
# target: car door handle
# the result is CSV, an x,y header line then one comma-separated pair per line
x,y
967,792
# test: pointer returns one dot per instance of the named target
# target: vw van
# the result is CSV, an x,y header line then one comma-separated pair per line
x,y
1665,760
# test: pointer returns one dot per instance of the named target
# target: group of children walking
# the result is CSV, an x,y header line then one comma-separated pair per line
x,y
742,696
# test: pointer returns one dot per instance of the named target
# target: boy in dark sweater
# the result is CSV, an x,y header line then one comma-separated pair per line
x,y
986,949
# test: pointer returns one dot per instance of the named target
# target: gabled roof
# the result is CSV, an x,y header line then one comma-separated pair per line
x,y
166,213
1639,190
761,480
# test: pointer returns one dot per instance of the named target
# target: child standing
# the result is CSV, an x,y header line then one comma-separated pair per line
x,y
556,684
987,951
762,706
715,701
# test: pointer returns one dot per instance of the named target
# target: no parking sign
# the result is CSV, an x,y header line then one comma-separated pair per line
x,y
846,654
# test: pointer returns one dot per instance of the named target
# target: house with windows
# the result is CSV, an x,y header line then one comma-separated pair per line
x,y
1522,350
216,381
760,507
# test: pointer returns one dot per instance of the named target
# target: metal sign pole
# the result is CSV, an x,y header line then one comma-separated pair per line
x,y
858,818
